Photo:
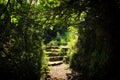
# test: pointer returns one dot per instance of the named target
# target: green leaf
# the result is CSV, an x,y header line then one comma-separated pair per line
x,y
3,16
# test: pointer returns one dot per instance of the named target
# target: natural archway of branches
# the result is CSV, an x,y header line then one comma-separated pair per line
x,y
89,28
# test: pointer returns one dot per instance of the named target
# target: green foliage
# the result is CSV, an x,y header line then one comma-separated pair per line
x,y
21,55
87,27
94,51
73,37
95,26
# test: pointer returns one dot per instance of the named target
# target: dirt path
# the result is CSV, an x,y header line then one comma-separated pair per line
x,y
59,72
58,69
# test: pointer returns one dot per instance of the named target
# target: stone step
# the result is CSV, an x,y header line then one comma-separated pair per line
x,y
52,53
55,63
52,47
64,47
53,50
55,58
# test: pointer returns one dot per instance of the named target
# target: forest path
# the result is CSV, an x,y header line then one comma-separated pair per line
x,y
58,69
59,72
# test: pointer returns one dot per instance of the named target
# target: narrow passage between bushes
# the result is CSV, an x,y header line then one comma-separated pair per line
x,y
58,68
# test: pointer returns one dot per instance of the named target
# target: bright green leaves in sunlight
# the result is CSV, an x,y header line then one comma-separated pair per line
x,y
76,18
3,1
49,3
14,19
82,16
72,29
52,3
72,18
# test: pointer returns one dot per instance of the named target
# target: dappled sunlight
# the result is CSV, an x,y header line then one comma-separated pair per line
x,y
59,39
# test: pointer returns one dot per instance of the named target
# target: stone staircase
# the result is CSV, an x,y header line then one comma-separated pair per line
x,y
56,63
53,54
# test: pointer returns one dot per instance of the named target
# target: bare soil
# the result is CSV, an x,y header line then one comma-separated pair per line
x,y
59,72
